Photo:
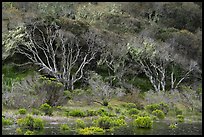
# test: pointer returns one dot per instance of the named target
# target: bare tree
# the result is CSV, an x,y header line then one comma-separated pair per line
x,y
101,91
57,52
154,58
190,67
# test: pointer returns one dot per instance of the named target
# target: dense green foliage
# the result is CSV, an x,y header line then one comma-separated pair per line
x,y
6,121
160,106
80,123
172,126
31,123
47,109
133,111
107,122
22,111
77,113
180,118
64,128
91,131
143,122
159,114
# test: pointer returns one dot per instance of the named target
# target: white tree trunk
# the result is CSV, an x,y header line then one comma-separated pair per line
x,y
58,53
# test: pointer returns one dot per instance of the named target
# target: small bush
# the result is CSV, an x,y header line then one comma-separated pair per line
x,y
104,122
91,131
172,126
59,107
160,106
117,110
129,105
64,128
22,111
110,107
28,132
77,113
91,113
134,116
154,118
121,117
30,123
6,121
180,118
19,131
152,107
80,123
164,107
143,114
38,123
112,114
36,112
159,114
178,111
102,112
133,111
143,122
118,122
47,109
66,112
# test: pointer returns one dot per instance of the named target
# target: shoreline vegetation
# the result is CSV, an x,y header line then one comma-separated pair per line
x,y
60,116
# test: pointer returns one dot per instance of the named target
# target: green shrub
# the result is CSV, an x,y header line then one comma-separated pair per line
x,y
80,123
64,128
91,113
152,107
143,122
7,121
164,107
110,107
59,107
38,123
118,122
31,123
91,131
154,118
161,106
102,112
19,131
66,112
47,109
36,112
159,114
143,114
28,132
112,114
121,117
180,118
172,126
104,122
178,111
77,113
134,116
133,111
129,105
22,111
117,110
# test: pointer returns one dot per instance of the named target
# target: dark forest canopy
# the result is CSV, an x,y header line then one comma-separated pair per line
x,y
146,45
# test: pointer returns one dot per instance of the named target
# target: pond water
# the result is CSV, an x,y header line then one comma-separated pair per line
x,y
159,128
162,128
